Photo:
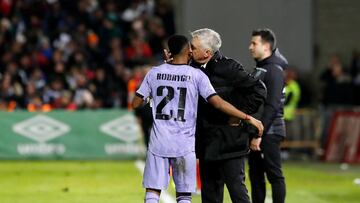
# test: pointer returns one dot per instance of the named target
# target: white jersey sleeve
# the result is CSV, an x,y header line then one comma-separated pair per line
x,y
144,90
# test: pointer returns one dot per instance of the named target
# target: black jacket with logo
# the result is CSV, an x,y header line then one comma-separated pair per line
x,y
215,138
272,75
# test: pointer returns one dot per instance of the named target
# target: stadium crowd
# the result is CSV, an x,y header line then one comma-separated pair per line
x,y
66,54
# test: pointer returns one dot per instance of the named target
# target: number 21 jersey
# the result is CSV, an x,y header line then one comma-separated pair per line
x,y
174,90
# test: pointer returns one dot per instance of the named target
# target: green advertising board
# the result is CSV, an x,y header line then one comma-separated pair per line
x,y
100,134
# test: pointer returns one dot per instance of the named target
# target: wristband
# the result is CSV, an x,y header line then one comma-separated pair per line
x,y
246,117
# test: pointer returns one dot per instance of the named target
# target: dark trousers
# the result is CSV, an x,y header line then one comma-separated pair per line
x,y
268,162
215,174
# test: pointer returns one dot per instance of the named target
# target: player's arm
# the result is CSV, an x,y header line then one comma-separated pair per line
x,y
207,91
137,102
229,109
143,93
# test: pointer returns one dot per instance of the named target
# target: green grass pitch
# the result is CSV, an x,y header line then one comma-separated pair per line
x,y
120,182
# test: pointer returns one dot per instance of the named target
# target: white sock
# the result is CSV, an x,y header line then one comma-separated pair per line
x,y
183,199
151,197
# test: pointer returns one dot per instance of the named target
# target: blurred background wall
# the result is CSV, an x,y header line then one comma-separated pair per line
x,y
336,30
308,31
234,20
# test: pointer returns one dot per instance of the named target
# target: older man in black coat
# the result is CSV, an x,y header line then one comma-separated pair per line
x,y
221,141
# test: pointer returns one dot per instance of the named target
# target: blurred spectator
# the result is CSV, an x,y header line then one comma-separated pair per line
x,y
292,94
93,53
10,91
133,85
165,11
337,84
33,100
138,52
119,90
355,73
5,7
60,53
57,96
138,8
38,79
292,98
157,38
83,98
116,54
100,89
144,115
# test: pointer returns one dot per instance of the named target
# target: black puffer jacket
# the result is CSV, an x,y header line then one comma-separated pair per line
x,y
215,139
273,77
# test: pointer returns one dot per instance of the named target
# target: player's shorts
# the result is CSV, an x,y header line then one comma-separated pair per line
x,y
157,172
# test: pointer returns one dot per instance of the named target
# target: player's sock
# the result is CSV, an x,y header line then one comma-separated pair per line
x,y
183,199
198,179
151,197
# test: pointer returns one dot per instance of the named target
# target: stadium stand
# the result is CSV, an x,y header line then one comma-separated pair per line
x,y
65,54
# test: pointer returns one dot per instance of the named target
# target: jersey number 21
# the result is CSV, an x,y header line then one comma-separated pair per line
x,y
167,99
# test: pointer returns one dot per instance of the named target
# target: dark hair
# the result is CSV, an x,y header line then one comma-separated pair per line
x,y
176,43
266,35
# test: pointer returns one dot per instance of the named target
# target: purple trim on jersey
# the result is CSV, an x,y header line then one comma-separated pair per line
x,y
139,95
178,64
207,98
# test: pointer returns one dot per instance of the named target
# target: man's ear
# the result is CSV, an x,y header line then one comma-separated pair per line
x,y
267,46
208,53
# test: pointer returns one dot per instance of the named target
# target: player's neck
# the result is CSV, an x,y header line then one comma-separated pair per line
x,y
265,55
180,60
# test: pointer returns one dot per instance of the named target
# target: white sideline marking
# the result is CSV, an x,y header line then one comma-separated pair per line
x,y
268,199
165,197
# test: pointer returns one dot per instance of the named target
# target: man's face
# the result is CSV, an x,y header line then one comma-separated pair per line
x,y
188,51
199,54
257,48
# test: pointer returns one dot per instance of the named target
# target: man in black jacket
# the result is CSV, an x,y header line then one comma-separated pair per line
x,y
222,142
270,65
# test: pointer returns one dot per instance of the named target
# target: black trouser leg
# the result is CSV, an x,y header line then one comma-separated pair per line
x,y
215,174
272,161
257,177
269,162
212,184
234,177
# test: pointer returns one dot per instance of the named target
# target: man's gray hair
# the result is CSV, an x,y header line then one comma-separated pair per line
x,y
208,38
